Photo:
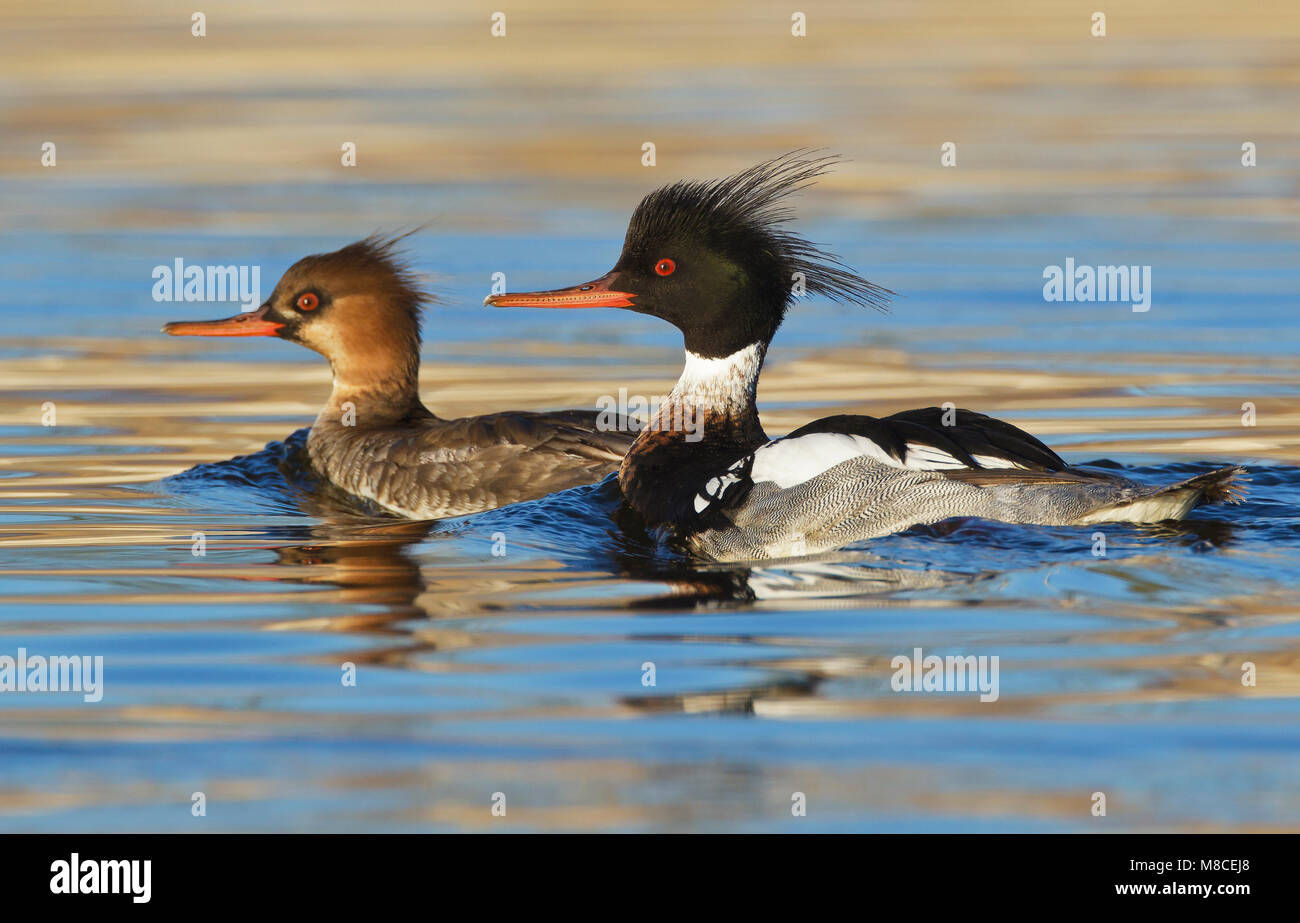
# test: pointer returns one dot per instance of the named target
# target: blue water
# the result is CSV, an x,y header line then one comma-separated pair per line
x,y
522,674
525,676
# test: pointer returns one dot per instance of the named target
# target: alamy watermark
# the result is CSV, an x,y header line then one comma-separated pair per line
x,y
1130,284
58,673
76,875
179,282
954,673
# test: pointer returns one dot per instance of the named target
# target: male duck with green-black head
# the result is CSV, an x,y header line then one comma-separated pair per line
x,y
715,260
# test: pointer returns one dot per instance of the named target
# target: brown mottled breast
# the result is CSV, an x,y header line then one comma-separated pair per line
x,y
665,468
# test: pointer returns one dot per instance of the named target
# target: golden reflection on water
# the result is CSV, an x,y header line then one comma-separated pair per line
x,y
1047,116
1049,121
191,410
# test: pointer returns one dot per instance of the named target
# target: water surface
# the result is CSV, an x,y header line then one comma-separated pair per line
x,y
523,673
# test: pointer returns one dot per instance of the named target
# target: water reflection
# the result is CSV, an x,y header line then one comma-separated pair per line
x,y
393,576
536,656
523,673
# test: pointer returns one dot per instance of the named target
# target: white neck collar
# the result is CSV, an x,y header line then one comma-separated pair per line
x,y
721,384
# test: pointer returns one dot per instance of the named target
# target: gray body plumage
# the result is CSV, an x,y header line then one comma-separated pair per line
x,y
863,498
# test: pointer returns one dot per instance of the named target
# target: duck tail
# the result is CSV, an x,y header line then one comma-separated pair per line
x,y
1176,500
1223,485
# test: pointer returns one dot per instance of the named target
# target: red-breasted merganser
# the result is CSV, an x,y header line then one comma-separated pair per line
x,y
360,308
714,260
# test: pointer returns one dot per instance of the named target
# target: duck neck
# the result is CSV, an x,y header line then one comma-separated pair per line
x,y
376,394
718,395
711,416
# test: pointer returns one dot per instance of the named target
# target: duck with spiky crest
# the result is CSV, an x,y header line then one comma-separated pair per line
x,y
715,260
360,308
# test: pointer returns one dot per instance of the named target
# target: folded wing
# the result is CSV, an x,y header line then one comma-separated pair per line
x,y
955,442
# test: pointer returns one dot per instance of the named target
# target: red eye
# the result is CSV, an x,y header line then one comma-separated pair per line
x,y
665,267
308,301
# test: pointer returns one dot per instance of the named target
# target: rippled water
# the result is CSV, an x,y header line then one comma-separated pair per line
x,y
522,673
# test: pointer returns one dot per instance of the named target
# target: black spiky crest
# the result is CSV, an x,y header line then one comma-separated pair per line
x,y
745,213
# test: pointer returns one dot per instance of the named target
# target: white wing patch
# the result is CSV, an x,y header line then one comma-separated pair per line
x,y
716,487
787,462
928,458
993,461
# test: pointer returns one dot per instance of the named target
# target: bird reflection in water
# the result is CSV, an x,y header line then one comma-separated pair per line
x,y
421,584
